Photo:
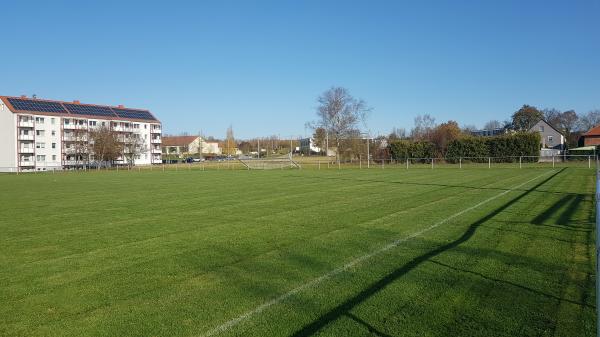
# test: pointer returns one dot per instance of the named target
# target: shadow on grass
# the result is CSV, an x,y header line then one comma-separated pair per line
x,y
468,187
512,284
345,307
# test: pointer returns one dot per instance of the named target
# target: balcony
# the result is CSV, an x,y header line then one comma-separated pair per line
x,y
25,137
155,129
75,126
156,151
26,163
121,129
26,123
26,150
155,140
82,138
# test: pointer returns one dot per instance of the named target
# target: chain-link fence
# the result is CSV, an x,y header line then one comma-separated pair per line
x,y
331,163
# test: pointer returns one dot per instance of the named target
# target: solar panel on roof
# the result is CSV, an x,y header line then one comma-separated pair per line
x,y
36,106
91,110
130,113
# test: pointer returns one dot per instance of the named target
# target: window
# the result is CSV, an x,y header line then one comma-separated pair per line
x,y
39,133
103,123
53,133
25,132
550,139
67,122
541,128
40,145
52,120
39,120
54,145
92,123
53,157
40,158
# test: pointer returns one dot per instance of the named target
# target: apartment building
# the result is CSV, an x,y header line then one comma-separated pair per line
x,y
38,134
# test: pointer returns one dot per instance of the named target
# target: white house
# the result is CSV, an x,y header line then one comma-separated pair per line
x,y
179,145
38,134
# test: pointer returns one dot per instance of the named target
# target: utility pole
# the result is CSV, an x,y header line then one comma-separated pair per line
x,y
368,154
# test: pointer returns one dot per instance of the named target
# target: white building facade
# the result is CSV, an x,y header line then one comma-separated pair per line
x,y
40,135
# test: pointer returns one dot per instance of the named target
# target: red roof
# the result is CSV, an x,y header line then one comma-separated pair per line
x,y
178,140
595,131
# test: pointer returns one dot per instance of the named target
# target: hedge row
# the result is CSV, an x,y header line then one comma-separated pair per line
x,y
507,146
402,149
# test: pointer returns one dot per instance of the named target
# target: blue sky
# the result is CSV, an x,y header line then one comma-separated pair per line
x,y
259,65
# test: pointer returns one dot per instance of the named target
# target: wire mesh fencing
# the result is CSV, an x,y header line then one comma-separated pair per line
x,y
329,163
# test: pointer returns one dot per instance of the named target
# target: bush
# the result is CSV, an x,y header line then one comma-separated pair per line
x,y
403,149
506,148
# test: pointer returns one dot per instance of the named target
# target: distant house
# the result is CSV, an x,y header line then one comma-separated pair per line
x,y
178,145
550,137
488,133
592,137
308,146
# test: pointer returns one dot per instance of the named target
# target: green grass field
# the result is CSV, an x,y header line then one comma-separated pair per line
x,y
448,252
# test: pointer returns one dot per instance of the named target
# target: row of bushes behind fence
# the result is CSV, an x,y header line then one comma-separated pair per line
x,y
510,147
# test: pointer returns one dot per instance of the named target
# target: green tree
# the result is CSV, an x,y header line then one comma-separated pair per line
x,y
526,117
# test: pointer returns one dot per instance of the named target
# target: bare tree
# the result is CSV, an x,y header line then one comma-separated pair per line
x,y
468,128
133,147
493,125
340,115
589,120
424,125
568,122
105,145
397,133
552,116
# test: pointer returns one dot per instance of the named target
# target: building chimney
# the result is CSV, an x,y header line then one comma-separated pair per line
x,y
23,96
120,106
76,102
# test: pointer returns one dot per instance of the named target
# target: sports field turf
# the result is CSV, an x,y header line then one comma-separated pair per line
x,y
447,252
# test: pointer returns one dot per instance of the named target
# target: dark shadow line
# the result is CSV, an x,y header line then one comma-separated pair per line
x,y
537,292
371,328
375,287
437,185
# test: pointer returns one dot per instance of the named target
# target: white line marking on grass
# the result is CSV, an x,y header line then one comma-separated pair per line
x,y
233,322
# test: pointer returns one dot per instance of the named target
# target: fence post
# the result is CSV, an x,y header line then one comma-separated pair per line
x,y
520,162
382,163
319,164
552,161
460,163
163,167
489,162
360,162
432,163
589,162
339,165
407,163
